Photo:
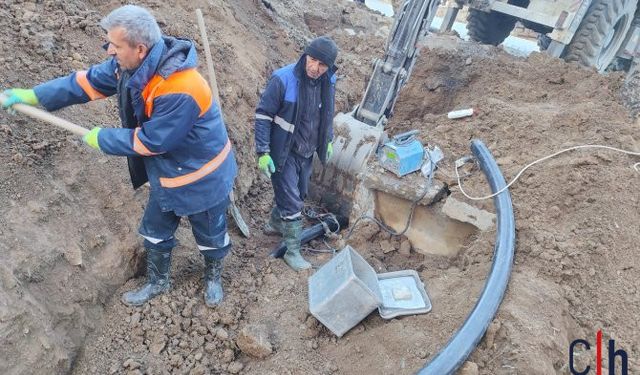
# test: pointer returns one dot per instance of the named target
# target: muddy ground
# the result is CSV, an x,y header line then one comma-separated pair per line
x,y
68,225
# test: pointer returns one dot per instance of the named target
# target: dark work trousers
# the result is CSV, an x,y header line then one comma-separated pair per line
x,y
209,228
290,186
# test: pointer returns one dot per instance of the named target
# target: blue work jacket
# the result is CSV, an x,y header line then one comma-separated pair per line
x,y
178,130
278,112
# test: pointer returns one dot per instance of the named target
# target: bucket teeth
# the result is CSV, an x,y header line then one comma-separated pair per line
x,y
354,144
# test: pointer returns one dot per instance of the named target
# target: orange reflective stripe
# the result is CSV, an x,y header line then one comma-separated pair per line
x,y
187,82
211,166
149,93
83,81
139,147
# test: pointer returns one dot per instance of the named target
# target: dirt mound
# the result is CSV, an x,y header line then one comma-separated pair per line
x,y
576,214
69,242
69,218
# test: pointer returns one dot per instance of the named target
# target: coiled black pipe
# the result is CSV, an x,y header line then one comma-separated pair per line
x,y
317,230
469,335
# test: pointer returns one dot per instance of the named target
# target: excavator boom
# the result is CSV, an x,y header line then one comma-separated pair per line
x,y
392,71
357,134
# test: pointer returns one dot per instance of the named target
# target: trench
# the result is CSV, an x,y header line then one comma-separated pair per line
x,y
62,318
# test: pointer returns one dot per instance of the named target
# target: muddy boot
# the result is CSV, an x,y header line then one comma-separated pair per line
x,y
213,282
274,226
158,264
291,232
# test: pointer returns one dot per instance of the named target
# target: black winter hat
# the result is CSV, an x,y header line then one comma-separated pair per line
x,y
323,49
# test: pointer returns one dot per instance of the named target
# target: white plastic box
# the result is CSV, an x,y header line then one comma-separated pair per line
x,y
344,291
347,289
402,294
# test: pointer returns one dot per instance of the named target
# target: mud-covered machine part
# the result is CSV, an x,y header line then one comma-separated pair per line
x,y
357,133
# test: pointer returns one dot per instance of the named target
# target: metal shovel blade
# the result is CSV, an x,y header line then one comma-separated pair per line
x,y
237,216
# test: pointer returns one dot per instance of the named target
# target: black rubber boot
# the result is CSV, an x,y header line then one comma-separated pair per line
x,y
213,293
274,226
292,231
158,282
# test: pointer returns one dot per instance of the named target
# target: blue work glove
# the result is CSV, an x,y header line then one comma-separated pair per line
x,y
91,138
329,150
265,164
22,96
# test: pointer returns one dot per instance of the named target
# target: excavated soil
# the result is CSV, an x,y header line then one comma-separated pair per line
x,y
68,225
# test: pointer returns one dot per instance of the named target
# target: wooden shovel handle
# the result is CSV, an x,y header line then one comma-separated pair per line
x,y
45,116
207,51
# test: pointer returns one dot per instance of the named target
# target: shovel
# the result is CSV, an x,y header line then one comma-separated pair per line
x,y
233,209
45,116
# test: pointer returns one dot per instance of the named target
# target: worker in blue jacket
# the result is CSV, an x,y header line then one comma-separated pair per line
x,y
173,135
294,120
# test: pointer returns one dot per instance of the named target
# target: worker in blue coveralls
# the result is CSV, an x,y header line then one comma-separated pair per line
x,y
173,136
294,120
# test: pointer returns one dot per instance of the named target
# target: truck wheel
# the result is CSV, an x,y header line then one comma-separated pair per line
x,y
630,90
489,28
543,41
601,33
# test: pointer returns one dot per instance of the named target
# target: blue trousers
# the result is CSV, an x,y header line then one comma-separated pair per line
x,y
209,228
291,185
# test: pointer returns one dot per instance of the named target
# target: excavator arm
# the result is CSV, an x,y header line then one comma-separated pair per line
x,y
357,134
392,71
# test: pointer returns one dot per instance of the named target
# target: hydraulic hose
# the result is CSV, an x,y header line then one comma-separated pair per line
x,y
317,230
451,357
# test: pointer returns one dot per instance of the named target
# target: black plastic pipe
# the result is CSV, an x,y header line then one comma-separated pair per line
x,y
313,232
469,335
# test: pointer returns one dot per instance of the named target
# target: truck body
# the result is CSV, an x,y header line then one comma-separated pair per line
x,y
601,33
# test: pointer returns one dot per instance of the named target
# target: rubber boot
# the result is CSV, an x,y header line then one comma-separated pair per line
x,y
158,282
292,231
213,293
274,226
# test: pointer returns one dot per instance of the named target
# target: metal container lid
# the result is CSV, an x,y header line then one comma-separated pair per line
x,y
402,294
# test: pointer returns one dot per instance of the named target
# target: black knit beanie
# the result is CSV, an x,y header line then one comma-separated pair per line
x,y
323,49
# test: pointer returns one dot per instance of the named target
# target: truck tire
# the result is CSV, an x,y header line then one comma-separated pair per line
x,y
601,33
630,90
489,28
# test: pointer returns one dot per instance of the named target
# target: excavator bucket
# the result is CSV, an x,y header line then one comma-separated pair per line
x,y
337,184
357,134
